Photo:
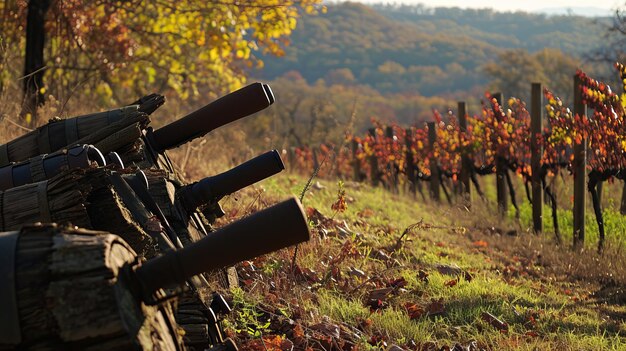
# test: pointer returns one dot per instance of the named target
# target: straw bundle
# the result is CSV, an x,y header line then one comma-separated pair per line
x,y
44,167
59,133
190,227
80,197
72,292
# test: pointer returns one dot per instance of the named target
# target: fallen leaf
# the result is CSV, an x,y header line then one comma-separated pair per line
x,y
356,272
414,311
435,307
379,294
380,255
422,275
480,243
451,283
269,343
453,270
397,283
366,213
327,328
495,322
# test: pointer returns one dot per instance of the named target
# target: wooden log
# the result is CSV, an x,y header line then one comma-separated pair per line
x,y
579,170
434,167
536,150
72,292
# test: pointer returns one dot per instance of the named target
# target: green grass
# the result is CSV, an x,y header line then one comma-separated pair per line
x,y
564,315
614,222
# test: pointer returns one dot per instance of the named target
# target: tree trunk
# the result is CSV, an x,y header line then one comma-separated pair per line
x,y
33,58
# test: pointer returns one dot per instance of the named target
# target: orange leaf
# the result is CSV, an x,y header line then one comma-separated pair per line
x,y
414,311
451,283
480,243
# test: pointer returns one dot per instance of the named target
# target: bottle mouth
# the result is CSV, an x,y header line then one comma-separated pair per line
x,y
96,156
114,158
270,94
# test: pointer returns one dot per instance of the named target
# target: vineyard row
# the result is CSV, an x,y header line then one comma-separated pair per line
x,y
588,142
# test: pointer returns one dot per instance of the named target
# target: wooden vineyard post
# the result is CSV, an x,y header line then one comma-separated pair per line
x,y
466,163
356,165
536,150
579,170
410,167
501,169
374,175
391,167
434,169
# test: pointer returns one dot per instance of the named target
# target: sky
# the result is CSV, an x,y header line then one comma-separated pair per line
x,y
512,5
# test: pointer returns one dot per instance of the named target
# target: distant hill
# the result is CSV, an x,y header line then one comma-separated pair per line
x,y
576,11
440,51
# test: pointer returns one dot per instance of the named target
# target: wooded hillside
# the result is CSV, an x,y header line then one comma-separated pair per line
x,y
417,49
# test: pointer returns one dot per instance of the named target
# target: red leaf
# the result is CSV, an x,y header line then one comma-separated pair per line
x,y
451,283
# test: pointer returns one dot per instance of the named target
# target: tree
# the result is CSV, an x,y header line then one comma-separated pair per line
x,y
34,55
513,73
131,46
614,48
515,70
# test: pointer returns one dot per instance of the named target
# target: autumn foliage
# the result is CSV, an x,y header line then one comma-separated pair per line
x,y
499,131
114,47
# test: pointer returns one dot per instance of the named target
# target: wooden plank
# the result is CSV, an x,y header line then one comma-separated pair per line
x,y
578,168
434,168
536,150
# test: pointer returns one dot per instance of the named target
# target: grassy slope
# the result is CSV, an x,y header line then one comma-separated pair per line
x,y
544,293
